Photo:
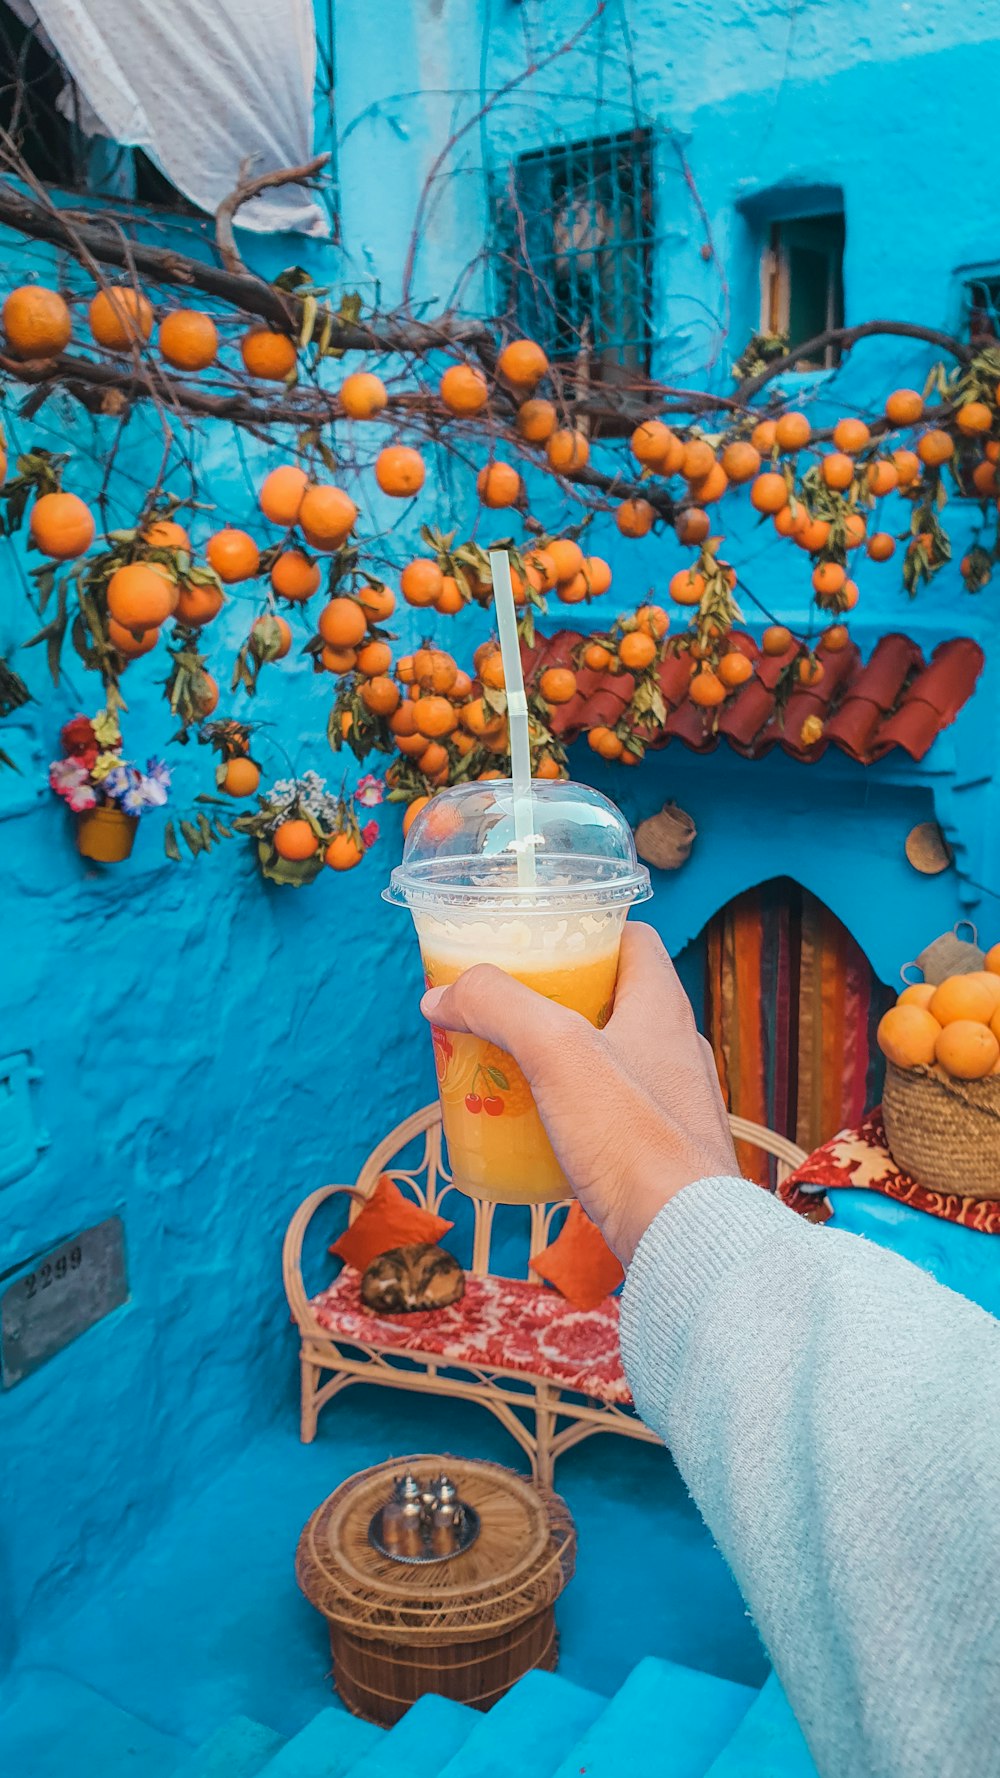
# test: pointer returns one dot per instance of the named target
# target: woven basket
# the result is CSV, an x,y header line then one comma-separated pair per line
x,y
944,1132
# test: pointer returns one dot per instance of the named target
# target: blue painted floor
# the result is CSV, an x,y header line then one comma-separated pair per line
x,y
208,1623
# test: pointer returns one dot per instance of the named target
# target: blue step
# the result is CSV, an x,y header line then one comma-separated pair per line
x,y
326,1748
768,1742
666,1719
54,1725
424,1740
241,1748
528,1731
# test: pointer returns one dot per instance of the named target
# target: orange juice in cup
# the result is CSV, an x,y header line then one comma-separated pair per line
x,y
561,937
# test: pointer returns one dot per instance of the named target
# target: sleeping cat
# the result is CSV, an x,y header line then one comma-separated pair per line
x,y
409,1278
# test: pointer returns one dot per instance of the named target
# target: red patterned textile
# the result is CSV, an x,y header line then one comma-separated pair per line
x,y
500,1324
860,1158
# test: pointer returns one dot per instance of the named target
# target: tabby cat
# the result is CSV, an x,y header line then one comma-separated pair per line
x,y
409,1278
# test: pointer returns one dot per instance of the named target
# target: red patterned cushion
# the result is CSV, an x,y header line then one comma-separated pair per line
x,y
861,1158
500,1324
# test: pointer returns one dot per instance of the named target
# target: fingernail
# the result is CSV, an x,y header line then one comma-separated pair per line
x,y
431,1001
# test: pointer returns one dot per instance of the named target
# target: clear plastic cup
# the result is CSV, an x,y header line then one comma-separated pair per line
x,y
561,936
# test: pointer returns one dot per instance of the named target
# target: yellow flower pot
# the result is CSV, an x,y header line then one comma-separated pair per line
x,y
106,834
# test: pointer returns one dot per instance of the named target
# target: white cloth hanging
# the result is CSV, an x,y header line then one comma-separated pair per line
x,y
201,86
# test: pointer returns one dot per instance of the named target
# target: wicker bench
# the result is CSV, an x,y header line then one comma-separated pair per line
x,y
551,1374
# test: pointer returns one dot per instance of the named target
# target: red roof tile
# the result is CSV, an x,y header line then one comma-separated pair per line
x,y
894,699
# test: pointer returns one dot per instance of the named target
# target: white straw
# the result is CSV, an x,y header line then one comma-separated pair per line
x,y
517,717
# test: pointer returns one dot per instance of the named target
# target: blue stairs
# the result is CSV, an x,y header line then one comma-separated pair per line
x,y
666,1720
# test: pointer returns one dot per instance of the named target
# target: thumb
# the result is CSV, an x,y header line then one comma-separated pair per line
x,y
491,1004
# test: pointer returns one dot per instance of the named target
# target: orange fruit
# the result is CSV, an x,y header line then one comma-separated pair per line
x,y
810,671
433,759
421,582
281,494
769,492
605,742
461,688
269,355
776,639
342,623
536,421
907,467
574,590
687,586
523,363
935,447
855,530
284,629
491,670
295,840
851,435
343,852
828,577
547,767
294,576
480,720
198,603
789,519
327,516
463,389
656,447
241,777
849,595
233,554
984,479
557,685
412,811
734,668
498,484
707,689
435,716
990,982
140,596
904,407
598,573
837,469
166,534
598,659
764,436
711,487
400,471
120,318
993,959
565,557
636,650
792,432
917,994
967,1050
189,339
836,638
206,694
907,1036
882,476
634,518
36,322
403,720
654,620
338,660
379,694
693,525
362,395
567,450
741,461
378,602
131,645
880,546
973,417
61,526
449,600
374,659
435,670
697,460
962,997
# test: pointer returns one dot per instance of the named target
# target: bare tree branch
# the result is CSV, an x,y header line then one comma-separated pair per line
x,y
246,189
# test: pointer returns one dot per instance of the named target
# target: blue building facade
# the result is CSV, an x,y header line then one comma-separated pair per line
x,y
193,1049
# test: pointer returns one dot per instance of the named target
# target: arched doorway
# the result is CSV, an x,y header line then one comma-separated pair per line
x,y
790,1005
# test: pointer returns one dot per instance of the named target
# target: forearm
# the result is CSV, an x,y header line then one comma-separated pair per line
x,y
836,1416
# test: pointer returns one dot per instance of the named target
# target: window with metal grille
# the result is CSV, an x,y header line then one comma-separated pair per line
x,y
981,306
574,255
802,283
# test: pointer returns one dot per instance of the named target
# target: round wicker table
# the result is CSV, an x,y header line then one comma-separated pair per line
x,y
467,1627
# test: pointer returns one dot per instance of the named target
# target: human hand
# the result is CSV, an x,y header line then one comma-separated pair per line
x,y
633,1112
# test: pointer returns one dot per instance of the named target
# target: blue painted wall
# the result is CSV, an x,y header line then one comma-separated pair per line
x,y
209,1047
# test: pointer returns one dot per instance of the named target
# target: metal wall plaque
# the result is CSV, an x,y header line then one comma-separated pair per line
x,y
56,1296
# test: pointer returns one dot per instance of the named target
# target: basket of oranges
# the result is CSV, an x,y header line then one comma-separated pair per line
x,y
941,1103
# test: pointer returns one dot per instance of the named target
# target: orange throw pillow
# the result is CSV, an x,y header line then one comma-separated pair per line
x,y
389,1219
580,1263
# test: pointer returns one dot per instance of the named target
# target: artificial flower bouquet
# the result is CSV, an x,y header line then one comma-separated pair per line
x,y
107,792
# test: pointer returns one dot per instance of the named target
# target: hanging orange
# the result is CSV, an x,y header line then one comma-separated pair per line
x,y
197,603
141,596
295,840
268,355
342,623
634,518
294,576
498,485
363,395
189,339
400,471
61,526
36,321
233,554
464,389
281,494
567,450
523,363
120,318
536,420
326,516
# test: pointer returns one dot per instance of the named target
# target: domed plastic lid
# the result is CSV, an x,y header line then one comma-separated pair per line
x,y
462,851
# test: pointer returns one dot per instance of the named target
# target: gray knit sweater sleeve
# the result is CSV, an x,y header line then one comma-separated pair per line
x,y
835,1414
